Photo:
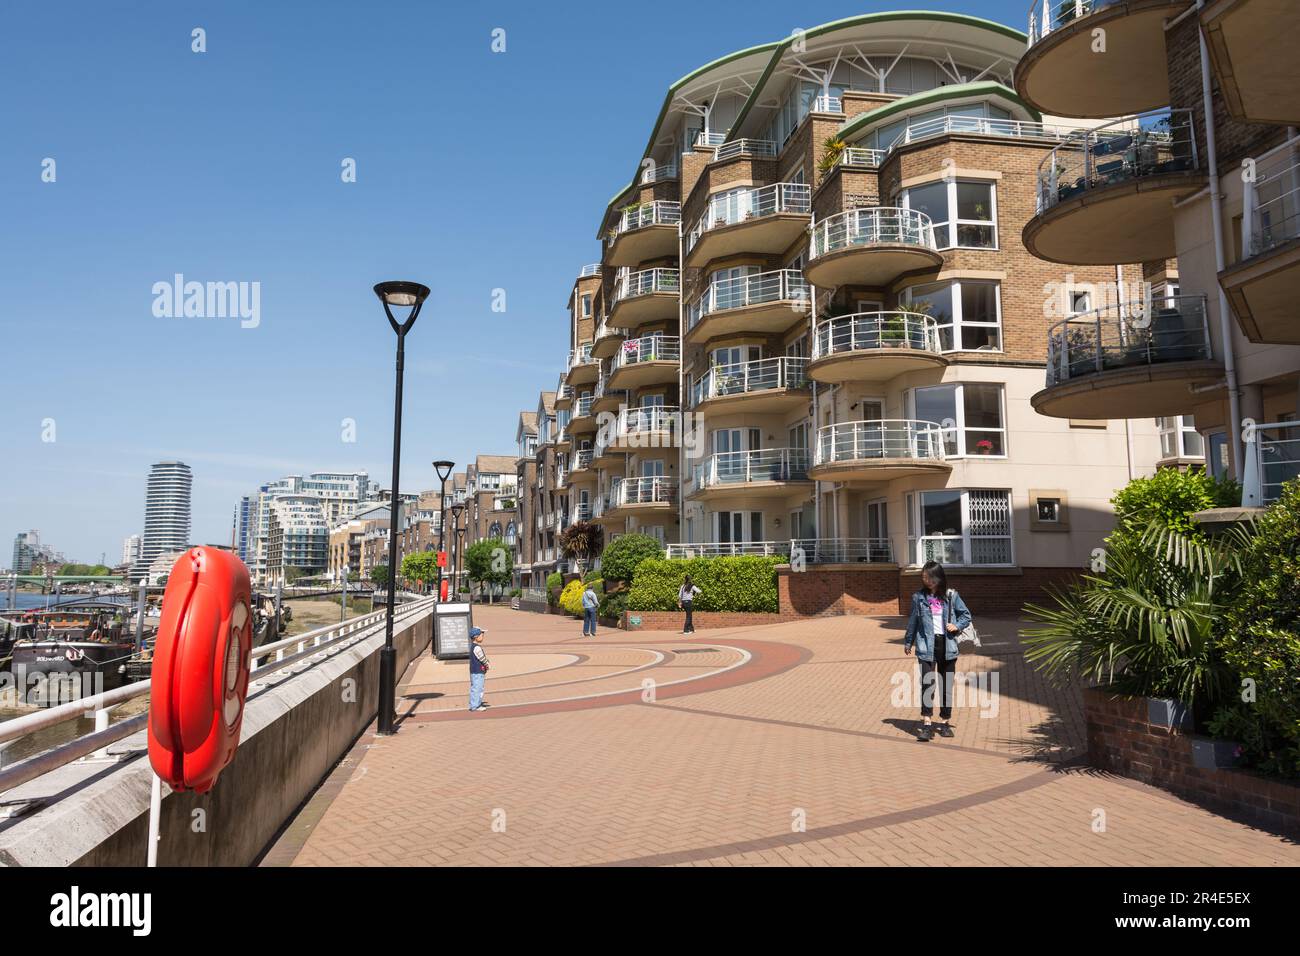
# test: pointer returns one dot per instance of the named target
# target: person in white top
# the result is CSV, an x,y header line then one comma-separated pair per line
x,y
686,601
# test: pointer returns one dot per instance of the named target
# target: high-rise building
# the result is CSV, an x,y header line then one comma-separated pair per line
x,y
334,496
130,549
166,514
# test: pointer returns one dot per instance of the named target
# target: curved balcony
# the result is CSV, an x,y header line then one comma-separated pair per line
x,y
1105,195
656,426
563,439
580,465
878,450
874,346
1253,59
583,418
766,220
649,360
607,341
583,369
643,297
1062,72
644,231
1128,360
563,394
762,472
643,496
764,385
604,454
766,302
606,399
871,246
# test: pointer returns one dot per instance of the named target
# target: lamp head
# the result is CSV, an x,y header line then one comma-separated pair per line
x,y
443,469
402,295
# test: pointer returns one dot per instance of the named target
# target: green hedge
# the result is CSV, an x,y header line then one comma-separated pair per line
x,y
746,583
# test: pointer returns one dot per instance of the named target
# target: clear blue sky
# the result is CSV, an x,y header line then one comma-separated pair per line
x,y
475,171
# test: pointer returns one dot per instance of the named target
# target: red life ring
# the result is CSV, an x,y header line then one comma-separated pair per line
x,y
200,669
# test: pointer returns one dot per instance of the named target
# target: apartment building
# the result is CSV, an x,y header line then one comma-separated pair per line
x,y
545,494
525,482
291,501
819,323
345,542
1193,155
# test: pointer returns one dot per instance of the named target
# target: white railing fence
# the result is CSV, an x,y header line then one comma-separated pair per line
x,y
871,225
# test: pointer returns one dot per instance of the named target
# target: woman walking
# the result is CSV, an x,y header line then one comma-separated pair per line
x,y
686,601
938,616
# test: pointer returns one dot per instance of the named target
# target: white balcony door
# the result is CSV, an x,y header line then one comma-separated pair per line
x,y
738,527
728,443
728,285
652,469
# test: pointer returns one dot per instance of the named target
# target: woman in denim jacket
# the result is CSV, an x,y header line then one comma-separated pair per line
x,y
936,612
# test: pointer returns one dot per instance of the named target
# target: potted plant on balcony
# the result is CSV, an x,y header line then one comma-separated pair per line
x,y
984,447
832,149
895,332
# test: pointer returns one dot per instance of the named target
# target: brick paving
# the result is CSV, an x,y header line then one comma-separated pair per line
x,y
785,745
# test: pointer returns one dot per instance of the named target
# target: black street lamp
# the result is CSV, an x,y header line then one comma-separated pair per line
x,y
443,469
400,295
456,511
460,551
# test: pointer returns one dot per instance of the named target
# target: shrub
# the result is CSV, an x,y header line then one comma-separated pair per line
x,y
553,580
571,597
1171,497
746,583
613,605
619,561
591,576
1261,642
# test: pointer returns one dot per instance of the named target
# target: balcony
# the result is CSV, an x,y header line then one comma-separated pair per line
x,y
737,148
764,385
644,297
580,464
605,454
582,420
763,221
871,246
563,440
649,360
1264,286
1063,74
763,472
1106,195
644,496
606,399
583,367
656,426
1253,59
1128,360
1272,459
766,302
644,231
607,341
878,450
812,550
589,271
974,126
563,395
874,346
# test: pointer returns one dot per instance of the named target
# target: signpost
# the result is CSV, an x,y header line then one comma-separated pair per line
x,y
451,624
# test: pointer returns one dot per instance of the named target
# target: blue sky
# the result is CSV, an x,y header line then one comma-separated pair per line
x,y
475,171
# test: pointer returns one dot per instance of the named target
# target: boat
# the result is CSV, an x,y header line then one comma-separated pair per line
x,y
13,625
87,640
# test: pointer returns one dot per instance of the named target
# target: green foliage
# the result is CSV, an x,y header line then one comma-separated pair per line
x,y
553,580
292,575
619,561
591,576
613,605
489,561
379,574
1171,497
581,541
83,570
571,597
745,583
1261,643
420,566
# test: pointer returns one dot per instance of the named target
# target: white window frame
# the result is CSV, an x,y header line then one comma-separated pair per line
x,y
959,426
958,321
1179,426
916,522
950,227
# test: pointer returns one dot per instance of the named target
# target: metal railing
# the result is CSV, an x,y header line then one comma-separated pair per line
x,y
827,104
657,173
647,282
582,408
660,212
730,208
869,226
1272,459
581,512
580,355
728,549
758,464
1148,144
745,147
592,269
861,156
655,418
779,285
979,126
705,140
305,649
581,459
1271,200
605,331
879,440
654,489
649,348
845,550
1128,334
876,331
741,378
1048,15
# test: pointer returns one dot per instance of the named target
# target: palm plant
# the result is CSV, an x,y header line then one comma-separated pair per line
x,y
582,541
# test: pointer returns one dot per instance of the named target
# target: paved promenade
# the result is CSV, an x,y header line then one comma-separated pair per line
x,y
783,745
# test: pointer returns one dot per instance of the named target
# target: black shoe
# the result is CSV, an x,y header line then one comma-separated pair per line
x,y
925,734
946,731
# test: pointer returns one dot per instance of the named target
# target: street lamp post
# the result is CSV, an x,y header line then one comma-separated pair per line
x,y
443,469
460,551
456,511
400,295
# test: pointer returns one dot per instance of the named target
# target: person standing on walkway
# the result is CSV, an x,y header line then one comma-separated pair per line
x,y
686,601
938,616
478,668
590,602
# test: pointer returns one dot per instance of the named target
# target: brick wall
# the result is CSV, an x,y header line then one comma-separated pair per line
x,y
703,620
1124,739
994,593
831,592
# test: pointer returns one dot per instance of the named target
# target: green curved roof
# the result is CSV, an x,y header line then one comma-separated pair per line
x,y
937,95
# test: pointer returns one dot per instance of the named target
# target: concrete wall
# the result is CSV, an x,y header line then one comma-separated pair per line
x,y
295,730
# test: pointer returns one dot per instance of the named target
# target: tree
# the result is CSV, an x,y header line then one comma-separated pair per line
x,y
379,574
581,541
489,561
291,574
619,560
422,566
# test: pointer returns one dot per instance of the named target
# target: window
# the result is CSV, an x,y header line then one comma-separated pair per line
x,y
963,212
968,313
738,527
1179,438
586,305
961,527
1049,510
971,416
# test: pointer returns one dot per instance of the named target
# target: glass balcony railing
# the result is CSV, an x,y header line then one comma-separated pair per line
x,y
649,348
646,282
875,331
660,212
1128,334
727,209
1046,16
590,270
744,467
1272,459
1149,144
581,459
979,126
658,172
743,378
655,418
1272,200
582,407
879,440
871,225
845,550
780,285
655,489
581,355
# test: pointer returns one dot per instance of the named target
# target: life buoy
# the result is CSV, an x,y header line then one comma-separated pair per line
x,y
200,669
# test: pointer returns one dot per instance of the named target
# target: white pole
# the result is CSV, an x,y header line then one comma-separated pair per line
x,y
155,811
